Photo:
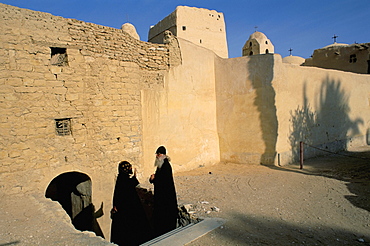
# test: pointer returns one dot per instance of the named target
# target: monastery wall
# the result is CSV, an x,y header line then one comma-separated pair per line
x,y
325,108
266,108
96,92
245,106
182,116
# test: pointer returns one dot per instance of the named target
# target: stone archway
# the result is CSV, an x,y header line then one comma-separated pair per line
x,y
73,191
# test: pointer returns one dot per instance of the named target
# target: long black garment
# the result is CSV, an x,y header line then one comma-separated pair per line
x,y
165,202
130,225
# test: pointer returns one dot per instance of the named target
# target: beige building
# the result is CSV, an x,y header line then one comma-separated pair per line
x,y
353,58
203,27
77,98
257,44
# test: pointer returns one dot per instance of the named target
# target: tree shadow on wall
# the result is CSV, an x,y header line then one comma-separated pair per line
x,y
261,74
328,128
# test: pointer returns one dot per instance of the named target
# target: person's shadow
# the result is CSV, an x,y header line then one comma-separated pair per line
x,y
86,220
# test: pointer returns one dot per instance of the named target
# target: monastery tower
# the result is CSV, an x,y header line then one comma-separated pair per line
x,y
200,26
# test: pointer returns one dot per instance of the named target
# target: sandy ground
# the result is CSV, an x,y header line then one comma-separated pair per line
x,y
325,203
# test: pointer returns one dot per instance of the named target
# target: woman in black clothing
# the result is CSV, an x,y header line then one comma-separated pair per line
x,y
130,225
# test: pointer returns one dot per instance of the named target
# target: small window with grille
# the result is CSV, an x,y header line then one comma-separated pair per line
x,y
58,56
63,127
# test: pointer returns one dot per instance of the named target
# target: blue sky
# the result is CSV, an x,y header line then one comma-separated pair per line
x,y
303,25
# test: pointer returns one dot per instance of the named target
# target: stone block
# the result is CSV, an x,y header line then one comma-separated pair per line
x,y
55,69
25,89
59,90
14,81
25,67
72,96
28,82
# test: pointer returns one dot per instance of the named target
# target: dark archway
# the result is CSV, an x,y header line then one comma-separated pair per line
x,y
73,191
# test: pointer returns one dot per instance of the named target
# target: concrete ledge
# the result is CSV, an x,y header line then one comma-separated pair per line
x,y
187,234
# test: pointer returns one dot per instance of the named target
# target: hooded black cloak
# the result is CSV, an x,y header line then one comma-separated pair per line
x,y
130,225
165,201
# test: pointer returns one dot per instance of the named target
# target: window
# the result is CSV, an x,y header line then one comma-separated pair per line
x,y
251,53
352,58
267,51
266,42
63,127
184,28
58,56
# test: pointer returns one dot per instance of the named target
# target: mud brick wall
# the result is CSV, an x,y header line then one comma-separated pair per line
x,y
81,77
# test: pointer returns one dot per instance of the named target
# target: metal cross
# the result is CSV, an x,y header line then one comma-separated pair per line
x,y
255,28
290,51
335,38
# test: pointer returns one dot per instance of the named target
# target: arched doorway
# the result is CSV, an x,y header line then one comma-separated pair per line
x,y
73,191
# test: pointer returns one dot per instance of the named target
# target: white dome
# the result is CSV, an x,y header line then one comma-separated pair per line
x,y
293,60
258,36
131,30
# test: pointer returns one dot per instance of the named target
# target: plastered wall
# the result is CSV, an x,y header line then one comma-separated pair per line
x,y
182,116
202,27
246,111
266,107
353,58
324,108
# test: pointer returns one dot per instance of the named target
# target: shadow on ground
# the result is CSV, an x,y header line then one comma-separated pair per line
x,y
253,232
349,166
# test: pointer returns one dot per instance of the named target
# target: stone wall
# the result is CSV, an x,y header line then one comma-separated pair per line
x,y
96,90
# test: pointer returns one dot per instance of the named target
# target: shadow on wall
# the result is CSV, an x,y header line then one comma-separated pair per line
x,y
73,191
329,127
261,75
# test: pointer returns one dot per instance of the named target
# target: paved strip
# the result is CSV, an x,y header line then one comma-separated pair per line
x,y
187,234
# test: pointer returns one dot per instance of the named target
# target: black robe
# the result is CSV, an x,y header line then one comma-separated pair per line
x,y
130,225
165,202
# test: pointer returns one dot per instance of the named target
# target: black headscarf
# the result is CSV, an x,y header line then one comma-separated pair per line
x,y
124,167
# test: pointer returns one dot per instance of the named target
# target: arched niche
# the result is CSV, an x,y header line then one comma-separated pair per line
x,y
73,190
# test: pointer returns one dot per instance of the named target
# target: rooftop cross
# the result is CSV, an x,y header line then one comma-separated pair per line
x,y
335,38
255,28
290,51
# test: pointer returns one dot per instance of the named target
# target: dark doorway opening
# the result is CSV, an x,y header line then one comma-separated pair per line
x,y
73,191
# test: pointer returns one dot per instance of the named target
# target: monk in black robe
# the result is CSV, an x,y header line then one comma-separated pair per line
x,y
165,212
130,225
